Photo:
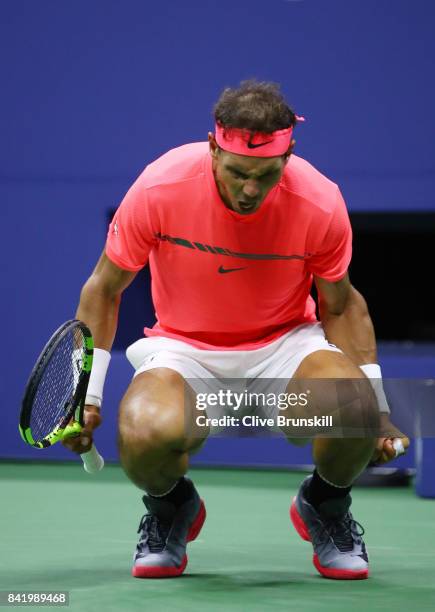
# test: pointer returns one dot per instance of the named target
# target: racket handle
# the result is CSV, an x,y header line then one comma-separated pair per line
x,y
398,447
93,462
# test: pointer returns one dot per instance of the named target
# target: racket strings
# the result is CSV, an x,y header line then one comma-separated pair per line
x,y
52,402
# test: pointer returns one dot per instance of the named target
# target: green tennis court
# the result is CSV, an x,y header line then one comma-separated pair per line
x,y
65,530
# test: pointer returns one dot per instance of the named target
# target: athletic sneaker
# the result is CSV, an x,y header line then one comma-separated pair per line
x,y
339,551
165,531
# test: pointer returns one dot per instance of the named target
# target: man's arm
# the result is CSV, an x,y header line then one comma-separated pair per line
x,y
100,299
347,324
98,308
346,320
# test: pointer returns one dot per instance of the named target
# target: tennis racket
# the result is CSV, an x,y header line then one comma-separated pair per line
x,y
53,404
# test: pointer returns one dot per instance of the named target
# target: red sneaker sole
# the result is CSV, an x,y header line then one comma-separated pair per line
x,y
172,572
336,574
159,572
298,523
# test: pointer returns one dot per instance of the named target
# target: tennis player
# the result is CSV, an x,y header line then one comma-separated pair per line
x,y
235,230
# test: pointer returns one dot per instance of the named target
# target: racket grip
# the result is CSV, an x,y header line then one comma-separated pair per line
x,y
93,462
398,447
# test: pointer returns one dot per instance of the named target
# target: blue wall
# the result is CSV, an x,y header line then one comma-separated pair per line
x,y
92,91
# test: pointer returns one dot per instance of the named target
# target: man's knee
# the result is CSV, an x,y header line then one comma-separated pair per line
x,y
156,414
154,411
336,388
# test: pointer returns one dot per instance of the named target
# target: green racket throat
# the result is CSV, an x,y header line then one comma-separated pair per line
x,y
60,433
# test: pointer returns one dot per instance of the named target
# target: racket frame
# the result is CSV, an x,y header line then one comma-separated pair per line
x,y
77,403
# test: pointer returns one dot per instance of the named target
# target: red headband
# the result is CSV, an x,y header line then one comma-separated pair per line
x,y
254,144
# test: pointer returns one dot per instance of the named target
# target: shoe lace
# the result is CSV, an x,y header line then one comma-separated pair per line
x,y
345,531
153,532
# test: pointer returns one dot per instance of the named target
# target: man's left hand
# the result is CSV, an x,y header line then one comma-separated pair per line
x,y
385,451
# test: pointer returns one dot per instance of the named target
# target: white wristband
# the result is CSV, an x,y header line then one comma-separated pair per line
x,y
100,364
374,374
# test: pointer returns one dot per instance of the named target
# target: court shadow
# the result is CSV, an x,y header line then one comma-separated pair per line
x,y
119,576
241,580
70,579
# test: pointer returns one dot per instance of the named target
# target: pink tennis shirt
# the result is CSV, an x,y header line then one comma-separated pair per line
x,y
221,280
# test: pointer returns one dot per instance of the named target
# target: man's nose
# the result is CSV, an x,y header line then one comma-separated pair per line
x,y
251,189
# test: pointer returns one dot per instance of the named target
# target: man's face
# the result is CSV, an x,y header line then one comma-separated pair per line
x,y
244,182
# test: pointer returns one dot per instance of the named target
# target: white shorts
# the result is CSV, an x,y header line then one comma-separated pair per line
x,y
277,360
266,370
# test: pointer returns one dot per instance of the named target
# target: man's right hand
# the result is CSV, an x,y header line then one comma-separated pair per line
x,y
82,443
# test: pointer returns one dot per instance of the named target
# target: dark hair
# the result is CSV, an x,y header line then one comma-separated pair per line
x,y
255,106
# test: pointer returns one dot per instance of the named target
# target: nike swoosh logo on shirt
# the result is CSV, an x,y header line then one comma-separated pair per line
x,y
255,146
223,270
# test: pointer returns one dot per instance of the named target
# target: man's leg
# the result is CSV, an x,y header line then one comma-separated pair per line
x,y
341,460
157,429
320,512
156,434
